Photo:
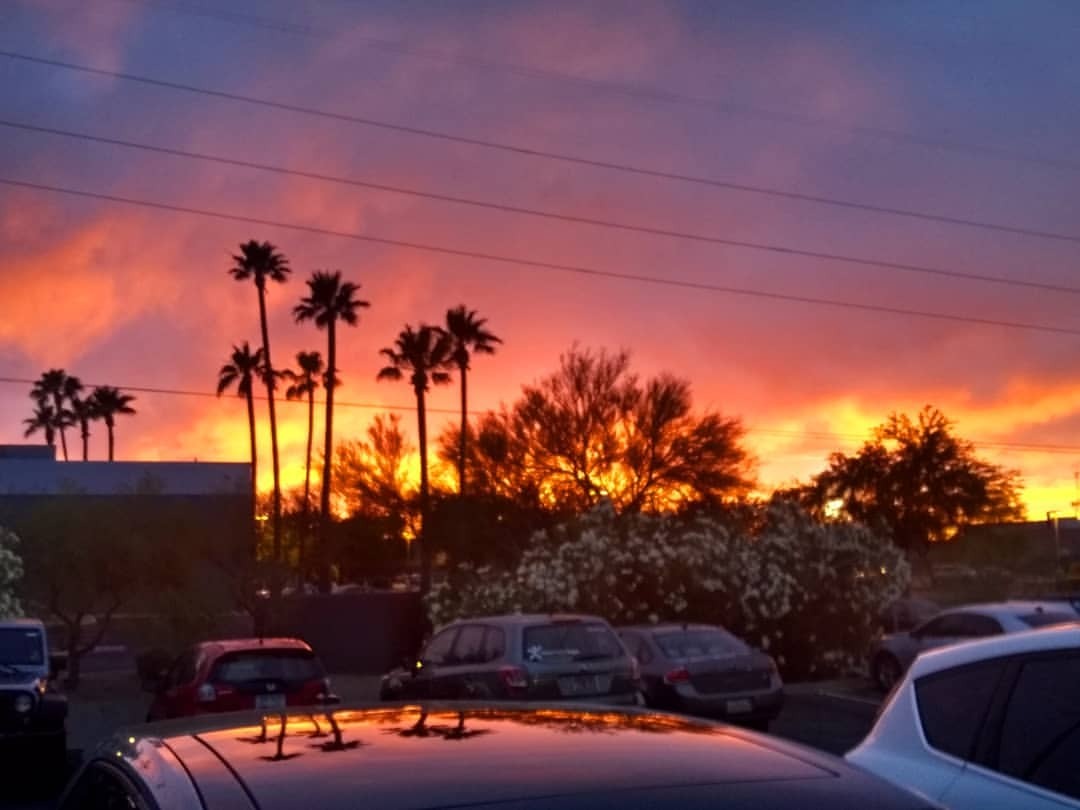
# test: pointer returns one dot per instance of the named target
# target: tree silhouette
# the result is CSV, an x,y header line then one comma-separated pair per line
x,y
43,420
328,301
468,336
420,354
51,388
261,262
302,385
918,480
84,412
109,402
243,368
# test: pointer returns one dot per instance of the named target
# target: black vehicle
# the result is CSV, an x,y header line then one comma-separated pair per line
x,y
32,713
521,657
703,669
505,756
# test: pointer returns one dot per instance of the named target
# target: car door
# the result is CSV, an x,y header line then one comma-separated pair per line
x,y
177,698
460,676
433,660
1031,755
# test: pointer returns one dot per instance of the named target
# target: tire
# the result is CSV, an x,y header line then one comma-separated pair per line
x,y
886,671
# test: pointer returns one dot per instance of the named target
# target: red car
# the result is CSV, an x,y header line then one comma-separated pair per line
x,y
240,674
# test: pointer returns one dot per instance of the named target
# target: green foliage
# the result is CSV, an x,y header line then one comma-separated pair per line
x,y
11,572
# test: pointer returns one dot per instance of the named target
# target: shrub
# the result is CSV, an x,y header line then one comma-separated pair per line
x,y
11,571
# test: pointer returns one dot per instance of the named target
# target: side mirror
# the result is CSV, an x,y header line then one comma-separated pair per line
x,y
57,664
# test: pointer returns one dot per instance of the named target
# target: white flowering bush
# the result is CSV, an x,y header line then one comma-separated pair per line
x,y
11,571
809,593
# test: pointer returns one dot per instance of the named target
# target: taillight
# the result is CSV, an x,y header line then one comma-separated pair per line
x,y
680,675
206,693
514,678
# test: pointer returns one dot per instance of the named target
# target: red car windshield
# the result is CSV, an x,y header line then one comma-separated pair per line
x,y
290,666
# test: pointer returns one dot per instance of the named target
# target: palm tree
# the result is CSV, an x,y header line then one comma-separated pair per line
x,y
261,262
110,403
44,419
303,384
50,388
328,301
422,354
467,335
243,368
84,411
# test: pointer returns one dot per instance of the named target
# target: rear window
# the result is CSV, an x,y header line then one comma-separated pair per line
x,y
572,641
1047,619
292,666
700,644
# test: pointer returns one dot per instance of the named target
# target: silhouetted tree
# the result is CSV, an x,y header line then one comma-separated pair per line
x,y
109,402
51,388
43,420
243,368
261,262
83,411
468,336
419,355
303,382
328,301
916,479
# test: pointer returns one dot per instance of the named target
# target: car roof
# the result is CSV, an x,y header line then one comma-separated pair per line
x,y
669,627
526,619
401,757
38,623
1013,607
1057,637
230,645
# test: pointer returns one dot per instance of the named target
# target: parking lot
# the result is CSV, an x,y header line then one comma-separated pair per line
x,y
831,716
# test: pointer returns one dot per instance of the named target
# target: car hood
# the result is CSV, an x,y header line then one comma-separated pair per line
x,y
469,754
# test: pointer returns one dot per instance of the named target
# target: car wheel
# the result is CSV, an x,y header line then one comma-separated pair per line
x,y
886,671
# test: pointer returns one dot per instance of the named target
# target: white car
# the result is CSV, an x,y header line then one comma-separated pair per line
x,y
985,724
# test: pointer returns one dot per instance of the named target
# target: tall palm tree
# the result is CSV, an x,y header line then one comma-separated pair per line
x,y
110,403
467,336
243,368
422,354
261,262
82,411
44,419
50,388
328,301
302,385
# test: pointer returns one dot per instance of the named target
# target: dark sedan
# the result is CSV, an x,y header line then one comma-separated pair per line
x,y
703,669
517,757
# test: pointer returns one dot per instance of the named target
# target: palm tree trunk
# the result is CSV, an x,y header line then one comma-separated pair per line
x,y
254,477
306,514
328,456
109,424
425,556
85,440
59,410
273,427
464,429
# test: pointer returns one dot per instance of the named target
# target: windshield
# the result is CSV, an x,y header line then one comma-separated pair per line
x,y
292,666
1048,619
577,641
21,646
700,644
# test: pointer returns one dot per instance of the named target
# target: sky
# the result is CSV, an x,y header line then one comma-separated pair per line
x,y
965,110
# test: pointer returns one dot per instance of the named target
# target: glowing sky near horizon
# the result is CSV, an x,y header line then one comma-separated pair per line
x,y
128,296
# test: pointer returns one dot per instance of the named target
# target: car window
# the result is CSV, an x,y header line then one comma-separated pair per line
x,y
934,627
494,644
438,649
1040,735
699,644
570,641
469,647
953,705
102,788
974,625
21,645
291,666
1047,619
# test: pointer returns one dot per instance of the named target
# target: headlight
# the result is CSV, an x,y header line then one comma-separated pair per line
x,y
23,704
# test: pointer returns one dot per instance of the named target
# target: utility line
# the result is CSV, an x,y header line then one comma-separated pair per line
x,y
637,92
542,265
509,148
569,218
822,435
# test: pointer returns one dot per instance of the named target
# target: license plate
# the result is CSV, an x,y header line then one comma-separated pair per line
x,y
572,685
269,701
739,706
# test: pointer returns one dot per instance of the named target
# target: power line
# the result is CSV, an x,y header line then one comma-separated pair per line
x,y
637,92
541,265
515,149
823,435
570,218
